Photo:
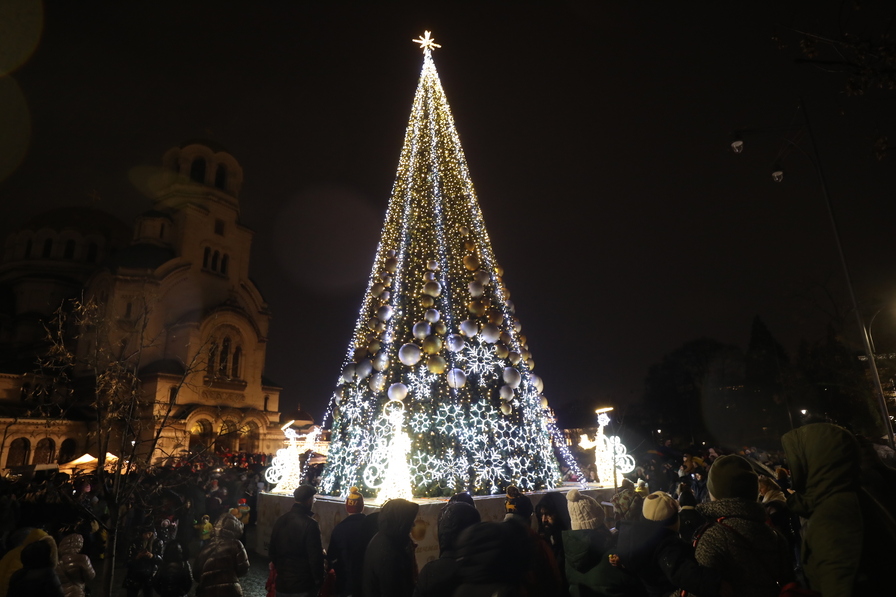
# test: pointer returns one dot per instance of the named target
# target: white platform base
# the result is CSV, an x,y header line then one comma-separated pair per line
x,y
329,511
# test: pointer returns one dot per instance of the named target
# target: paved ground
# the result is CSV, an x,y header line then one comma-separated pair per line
x,y
252,583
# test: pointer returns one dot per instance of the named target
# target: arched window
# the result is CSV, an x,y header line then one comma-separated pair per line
x,y
224,259
235,365
249,438
69,249
205,257
197,171
18,452
29,244
228,439
48,248
201,435
92,252
224,357
68,451
215,258
45,451
221,177
172,394
212,358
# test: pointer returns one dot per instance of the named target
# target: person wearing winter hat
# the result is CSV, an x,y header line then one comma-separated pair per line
x,y
588,572
517,504
653,551
354,501
622,500
731,476
544,576
345,553
295,546
749,554
689,519
584,511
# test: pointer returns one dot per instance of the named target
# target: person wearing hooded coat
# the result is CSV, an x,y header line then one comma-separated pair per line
x,y
175,577
552,516
846,546
441,577
222,561
749,554
492,561
37,576
74,568
12,560
390,567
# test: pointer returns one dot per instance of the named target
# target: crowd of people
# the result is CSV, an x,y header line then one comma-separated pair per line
x,y
816,519
817,516
180,529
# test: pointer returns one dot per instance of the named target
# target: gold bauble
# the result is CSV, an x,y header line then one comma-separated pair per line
x,y
469,245
505,338
439,328
477,308
436,364
377,289
525,354
391,264
432,345
427,301
514,358
501,351
374,347
499,270
524,340
506,408
359,354
530,363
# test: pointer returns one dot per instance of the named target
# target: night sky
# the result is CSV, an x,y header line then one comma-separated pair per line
x,y
597,136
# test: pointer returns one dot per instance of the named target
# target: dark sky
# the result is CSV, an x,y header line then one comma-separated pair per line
x,y
596,133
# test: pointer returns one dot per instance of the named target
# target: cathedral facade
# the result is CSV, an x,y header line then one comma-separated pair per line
x,y
171,300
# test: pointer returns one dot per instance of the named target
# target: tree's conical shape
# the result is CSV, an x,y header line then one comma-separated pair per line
x,y
437,393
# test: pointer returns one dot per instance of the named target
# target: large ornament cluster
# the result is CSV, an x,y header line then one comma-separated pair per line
x,y
437,351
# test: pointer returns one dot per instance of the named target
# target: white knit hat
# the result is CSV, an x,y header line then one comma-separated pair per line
x,y
659,506
584,511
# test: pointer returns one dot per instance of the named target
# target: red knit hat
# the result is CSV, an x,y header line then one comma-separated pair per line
x,y
354,503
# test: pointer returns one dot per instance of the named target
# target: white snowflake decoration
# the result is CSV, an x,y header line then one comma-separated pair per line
x,y
480,360
420,383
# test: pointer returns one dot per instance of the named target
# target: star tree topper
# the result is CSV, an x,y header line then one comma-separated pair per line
x,y
426,42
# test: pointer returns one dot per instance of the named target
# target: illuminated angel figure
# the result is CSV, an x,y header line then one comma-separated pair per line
x,y
609,453
286,469
389,464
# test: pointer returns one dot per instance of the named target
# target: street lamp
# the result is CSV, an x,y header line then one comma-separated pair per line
x,y
778,176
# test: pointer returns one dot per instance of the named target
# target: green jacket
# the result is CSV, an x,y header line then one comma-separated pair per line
x,y
825,468
588,569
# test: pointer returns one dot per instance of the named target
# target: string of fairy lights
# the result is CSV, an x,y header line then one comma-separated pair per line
x,y
436,394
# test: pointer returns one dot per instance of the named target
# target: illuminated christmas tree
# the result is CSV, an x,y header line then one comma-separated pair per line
x,y
437,394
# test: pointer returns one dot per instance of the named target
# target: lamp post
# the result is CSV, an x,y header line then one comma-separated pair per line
x,y
737,146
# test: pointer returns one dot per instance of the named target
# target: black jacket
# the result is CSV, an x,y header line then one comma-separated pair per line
x,y
663,562
297,553
346,554
389,564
